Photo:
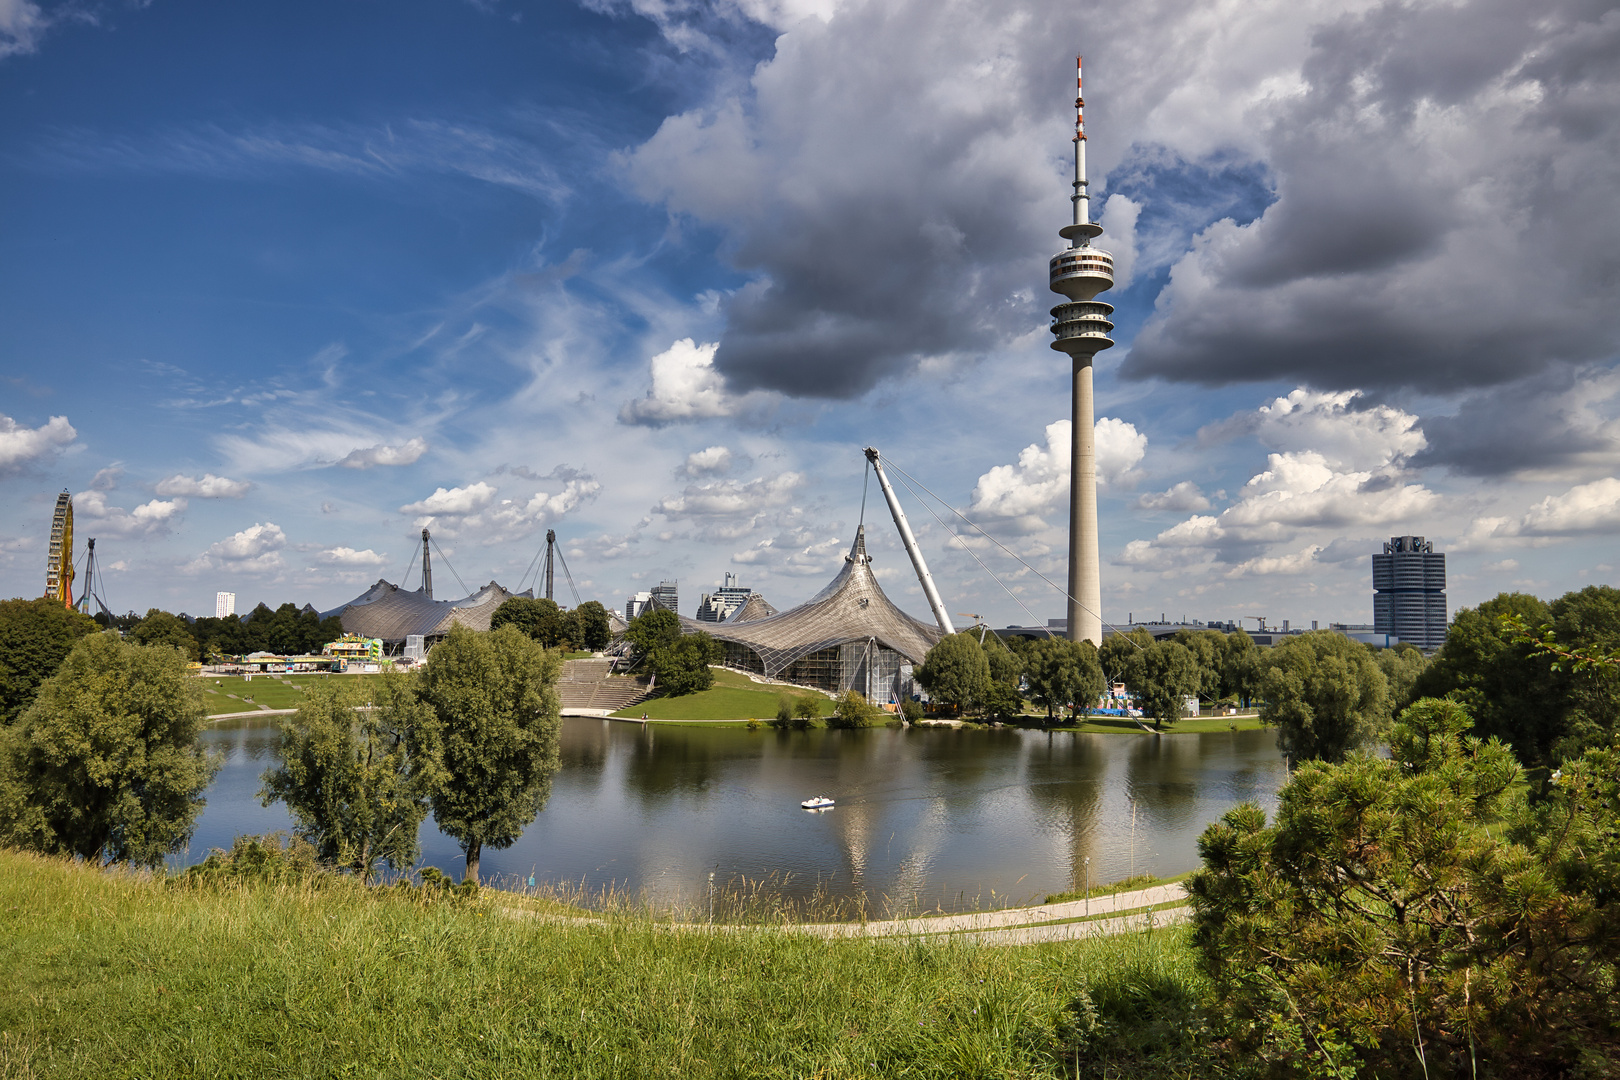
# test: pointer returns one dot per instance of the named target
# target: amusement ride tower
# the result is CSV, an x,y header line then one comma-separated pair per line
x,y
1081,327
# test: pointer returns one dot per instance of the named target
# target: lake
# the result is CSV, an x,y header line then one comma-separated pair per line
x,y
925,818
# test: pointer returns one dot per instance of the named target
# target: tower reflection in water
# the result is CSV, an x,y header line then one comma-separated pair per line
x,y
924,818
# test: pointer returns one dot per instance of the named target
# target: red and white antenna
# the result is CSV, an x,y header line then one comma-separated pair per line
x,y
1081,198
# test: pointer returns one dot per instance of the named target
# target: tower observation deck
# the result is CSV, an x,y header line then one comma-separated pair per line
x,y
1080,328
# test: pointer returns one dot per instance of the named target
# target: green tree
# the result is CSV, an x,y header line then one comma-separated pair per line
x,y
541,620
1241,667
1121,656
1208,649
955,672
682,666
653,629
161,628
1062,674
495,698
854,711
1401,667
1166,674
1411,916
358,768
105,763
1510,693
595,631
1325,694
1003,699
35,637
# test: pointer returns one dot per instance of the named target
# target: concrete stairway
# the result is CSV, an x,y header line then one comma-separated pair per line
x,y
586,684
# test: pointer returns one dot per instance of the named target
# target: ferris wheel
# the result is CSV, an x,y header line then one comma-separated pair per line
x,y
59,568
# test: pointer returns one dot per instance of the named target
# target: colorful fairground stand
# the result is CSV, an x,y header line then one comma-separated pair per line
x,y
351,651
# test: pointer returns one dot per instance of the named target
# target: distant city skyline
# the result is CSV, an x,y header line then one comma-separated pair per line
x,y
282,285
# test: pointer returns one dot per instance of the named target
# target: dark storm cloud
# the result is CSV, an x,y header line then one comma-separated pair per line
x,y
1445,213
1551,423
886,216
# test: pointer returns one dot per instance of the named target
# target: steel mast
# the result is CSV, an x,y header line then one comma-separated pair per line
x,y
910,542
427,567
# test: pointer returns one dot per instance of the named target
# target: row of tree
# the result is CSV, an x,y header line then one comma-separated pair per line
x,y
1325,692
585,627
103,761
288,630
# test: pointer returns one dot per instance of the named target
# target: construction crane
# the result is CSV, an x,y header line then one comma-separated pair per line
x,y
1261,619
978,621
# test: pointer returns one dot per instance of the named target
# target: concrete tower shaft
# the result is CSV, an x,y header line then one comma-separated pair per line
x,y
1080,328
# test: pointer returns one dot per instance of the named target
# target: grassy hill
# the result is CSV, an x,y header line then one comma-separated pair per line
x,y
734,696
119,975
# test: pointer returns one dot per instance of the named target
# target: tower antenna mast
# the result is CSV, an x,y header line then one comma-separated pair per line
x,y
1081,327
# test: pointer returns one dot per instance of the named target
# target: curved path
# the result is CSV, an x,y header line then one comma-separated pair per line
x,y
1122,912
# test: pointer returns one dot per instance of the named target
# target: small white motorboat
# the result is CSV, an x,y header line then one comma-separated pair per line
x,y
820,802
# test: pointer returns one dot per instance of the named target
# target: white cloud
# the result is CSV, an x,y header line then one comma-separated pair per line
x,y
1584,510
207,486
1119,223
254,550
21,446
707,462
94,516
453,501
1333,467
22,24
513,516
1181,496
405,454
685,387
349,557
1040,479
730,498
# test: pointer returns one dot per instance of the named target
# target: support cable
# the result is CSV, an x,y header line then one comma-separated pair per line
x,y
453,573
532,564
988,572
1011,552
410,564
568,576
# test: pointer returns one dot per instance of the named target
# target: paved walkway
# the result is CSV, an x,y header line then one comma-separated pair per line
x,y
1023,926
1013,926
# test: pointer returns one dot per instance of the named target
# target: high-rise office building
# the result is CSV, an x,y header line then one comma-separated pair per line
x,y
224,604
717,606
666,596
637,604
1409,592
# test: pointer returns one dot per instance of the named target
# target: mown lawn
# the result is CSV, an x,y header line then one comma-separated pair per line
x,y
115,975
733,697
235,693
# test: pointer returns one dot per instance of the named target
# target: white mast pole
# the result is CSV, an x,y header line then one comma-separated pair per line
x,y
910,542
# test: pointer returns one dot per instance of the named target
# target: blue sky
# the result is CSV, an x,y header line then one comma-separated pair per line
x,y
281,284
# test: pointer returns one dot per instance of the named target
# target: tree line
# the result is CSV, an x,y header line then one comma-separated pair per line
x,y
1452,908
100,757
287,630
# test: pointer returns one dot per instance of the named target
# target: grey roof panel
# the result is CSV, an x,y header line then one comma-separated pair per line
x,y
851,608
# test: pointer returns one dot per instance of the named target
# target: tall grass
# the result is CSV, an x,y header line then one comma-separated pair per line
x,y
112,974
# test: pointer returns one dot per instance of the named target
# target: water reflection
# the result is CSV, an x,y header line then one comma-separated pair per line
x,y
924,818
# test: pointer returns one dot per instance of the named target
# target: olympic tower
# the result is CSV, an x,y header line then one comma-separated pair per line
x,y
1081,327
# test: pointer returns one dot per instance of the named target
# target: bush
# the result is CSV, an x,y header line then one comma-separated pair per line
x,y
911,710
854,711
